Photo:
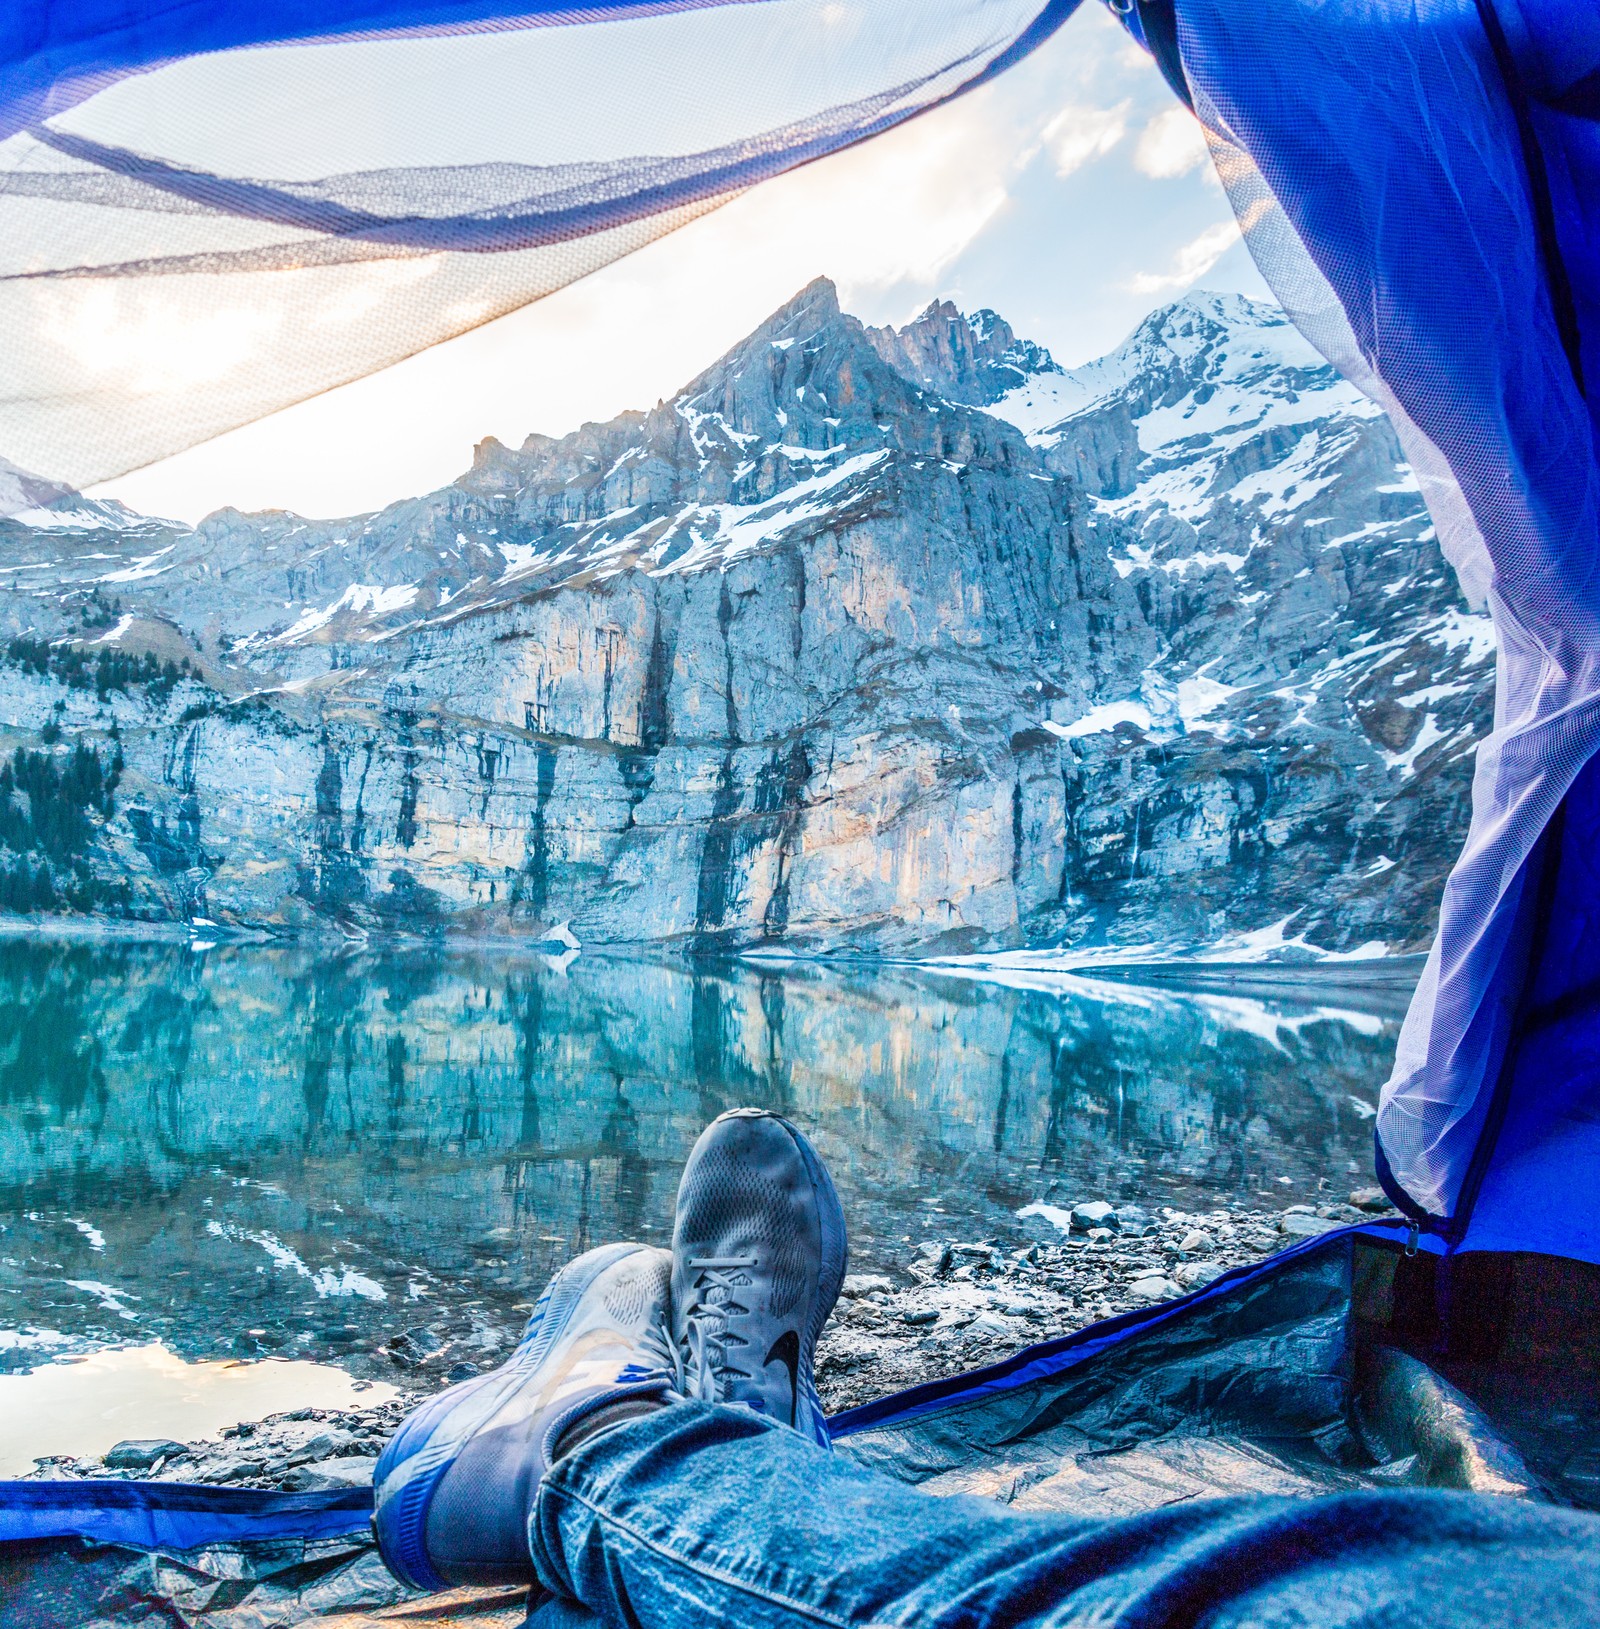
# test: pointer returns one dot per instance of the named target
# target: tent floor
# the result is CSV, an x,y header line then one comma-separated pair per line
x,y
1347,1365
1343,1364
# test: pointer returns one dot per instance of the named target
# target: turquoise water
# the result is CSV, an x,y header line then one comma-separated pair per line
x,y
249,1150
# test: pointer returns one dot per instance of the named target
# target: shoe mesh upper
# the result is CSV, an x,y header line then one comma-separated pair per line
x,y
633,1289
750,1213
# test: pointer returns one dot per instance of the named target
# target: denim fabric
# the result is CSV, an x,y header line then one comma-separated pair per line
x,y
559,1613
701,1516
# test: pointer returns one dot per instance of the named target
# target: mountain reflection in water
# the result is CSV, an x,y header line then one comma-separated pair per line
x,y
258,1149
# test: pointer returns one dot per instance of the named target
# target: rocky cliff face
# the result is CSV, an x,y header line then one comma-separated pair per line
x,y
869,639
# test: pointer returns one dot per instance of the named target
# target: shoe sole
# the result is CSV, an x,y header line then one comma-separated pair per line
x,y
400,1523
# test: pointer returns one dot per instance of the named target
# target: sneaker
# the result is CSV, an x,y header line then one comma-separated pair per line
x,y
758,1255
455,1485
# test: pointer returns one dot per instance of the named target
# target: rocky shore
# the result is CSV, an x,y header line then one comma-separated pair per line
x,y
952,1305
959,1305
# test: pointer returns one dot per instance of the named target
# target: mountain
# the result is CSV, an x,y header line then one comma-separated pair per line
x,y
887,640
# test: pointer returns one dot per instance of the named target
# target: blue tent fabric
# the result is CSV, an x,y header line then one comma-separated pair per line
x,y
1379,163
1052,1358
1552,59
1532,1188
174,1515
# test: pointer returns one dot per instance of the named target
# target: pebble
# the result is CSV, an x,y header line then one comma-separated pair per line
x,y
1096,1214
325,1445
1156,1287
859,1284
415,1347
989,1323
1298,1225
234,1470
331,1473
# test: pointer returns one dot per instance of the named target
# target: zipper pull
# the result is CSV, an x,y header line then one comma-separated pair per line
x,y
1413,1233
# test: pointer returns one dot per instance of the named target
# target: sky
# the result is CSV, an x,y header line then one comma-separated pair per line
x,y
1073,195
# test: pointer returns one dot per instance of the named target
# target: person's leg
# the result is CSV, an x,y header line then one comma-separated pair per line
x,y
709,1516
556,1612
728,1510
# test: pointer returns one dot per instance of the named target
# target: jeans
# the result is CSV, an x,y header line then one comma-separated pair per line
x,y
700,1516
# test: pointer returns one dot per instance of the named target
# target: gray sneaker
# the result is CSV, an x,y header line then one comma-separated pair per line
x,y
758,1255
456,1483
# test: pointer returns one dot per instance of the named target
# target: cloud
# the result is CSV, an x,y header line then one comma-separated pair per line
x,y
888,215
1172,144
1191,262
896,209
1079,135
1025,195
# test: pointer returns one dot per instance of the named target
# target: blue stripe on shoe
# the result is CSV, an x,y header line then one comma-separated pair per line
x,y
401,1524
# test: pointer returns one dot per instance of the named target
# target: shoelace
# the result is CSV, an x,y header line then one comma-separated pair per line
x,y
704,1368
657,1345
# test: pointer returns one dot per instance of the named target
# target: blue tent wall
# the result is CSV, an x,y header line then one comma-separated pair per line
x,y
1432,226
1535,1184
1539,1163
1551,56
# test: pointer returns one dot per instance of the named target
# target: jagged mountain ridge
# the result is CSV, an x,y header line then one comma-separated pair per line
x,y
869,638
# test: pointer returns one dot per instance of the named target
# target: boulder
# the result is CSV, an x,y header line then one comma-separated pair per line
x,y
354,1472
140,1453
1153,1287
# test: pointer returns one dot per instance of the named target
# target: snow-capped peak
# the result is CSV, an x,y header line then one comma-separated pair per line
x,y
1205,340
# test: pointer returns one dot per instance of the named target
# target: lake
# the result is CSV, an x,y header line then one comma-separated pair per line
x,y
246,1150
